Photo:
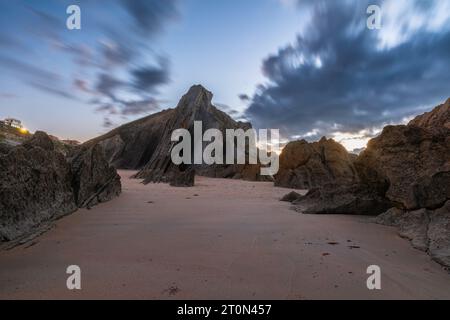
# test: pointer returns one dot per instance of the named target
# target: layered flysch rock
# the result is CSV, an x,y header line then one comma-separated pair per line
x,y
145,143
39,184
195,105
306,165
132,145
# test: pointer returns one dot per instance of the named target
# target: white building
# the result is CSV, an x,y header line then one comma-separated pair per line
x,y
13,123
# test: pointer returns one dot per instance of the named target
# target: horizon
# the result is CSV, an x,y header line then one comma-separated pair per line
x,y
308,68
283,143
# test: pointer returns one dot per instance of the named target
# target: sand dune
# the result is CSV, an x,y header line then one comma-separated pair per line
x,y
222,239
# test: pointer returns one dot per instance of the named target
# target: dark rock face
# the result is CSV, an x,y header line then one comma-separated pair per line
x,y
37,185
94,180
196,105
132,145
342,199
291,197
145,144
306,165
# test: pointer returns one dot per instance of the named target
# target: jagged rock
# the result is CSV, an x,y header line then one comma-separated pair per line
x,y
428,230
132,145
39,139
38,184
436,119
195,105
342,199
35,187
291,197
306,165
94,180
144,144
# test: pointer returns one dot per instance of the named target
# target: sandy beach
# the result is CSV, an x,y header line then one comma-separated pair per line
x,y
222,239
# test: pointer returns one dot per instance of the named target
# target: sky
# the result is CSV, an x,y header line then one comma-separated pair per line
x,y
309,68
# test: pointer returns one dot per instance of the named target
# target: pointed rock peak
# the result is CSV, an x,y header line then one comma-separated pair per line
x,y
196,96
198,89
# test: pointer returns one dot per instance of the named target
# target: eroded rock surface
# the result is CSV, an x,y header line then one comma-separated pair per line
x,y
306,165
196,105
37,184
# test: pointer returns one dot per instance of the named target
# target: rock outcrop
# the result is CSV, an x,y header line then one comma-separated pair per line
x,y
414,162
37,184
306,165
406,168
196,105
291,197
94,180
132,145
145,144
428,230
355,199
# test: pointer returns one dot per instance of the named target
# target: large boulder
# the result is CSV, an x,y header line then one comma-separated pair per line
x,y
35,187
306,165
39,184
413,161
355,199
94,179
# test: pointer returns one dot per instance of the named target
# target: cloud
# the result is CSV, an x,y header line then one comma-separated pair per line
x,y
244,97
110,67
24,69
340,77
151,15
148,78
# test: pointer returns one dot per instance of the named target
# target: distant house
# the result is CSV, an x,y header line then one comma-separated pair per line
x,y
10,122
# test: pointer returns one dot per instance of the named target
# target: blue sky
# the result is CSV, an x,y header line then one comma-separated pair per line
x,y
260,58
219,44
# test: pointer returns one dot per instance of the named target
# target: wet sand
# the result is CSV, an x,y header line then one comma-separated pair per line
x,y
222,239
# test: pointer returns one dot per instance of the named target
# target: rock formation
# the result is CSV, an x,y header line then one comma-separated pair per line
x,y
342,199
94,180
39,184
132,145
195,105
413,162
428,230
407,168
291,197
145,144
306,165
